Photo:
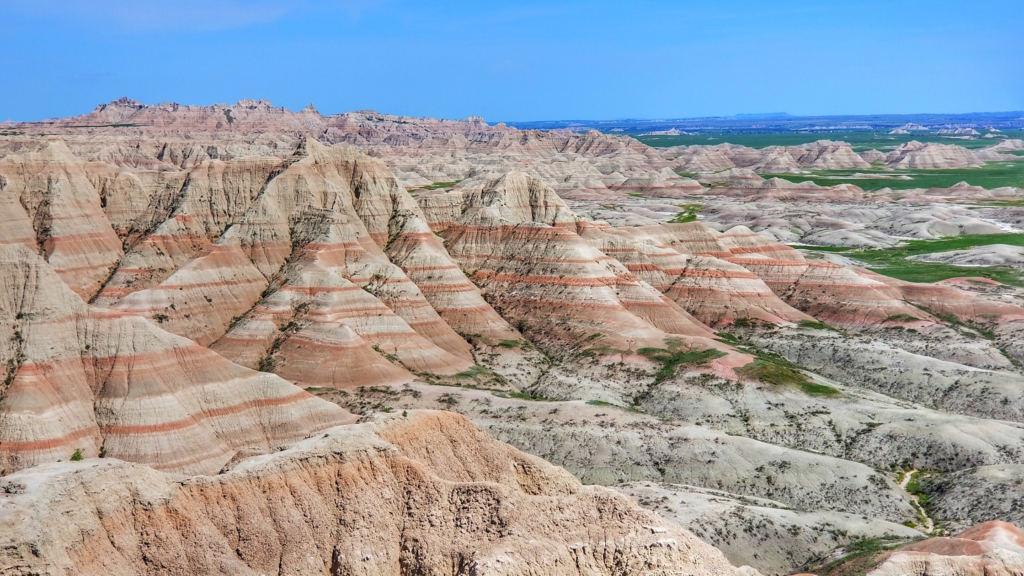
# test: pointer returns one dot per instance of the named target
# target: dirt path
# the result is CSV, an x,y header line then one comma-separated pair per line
x,y
929,526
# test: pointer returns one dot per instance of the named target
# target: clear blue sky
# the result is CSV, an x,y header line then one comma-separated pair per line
x,y
525,60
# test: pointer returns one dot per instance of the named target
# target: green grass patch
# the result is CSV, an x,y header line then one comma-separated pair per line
x,y
440,185
902,318
728,338
815,325
475,372
777,371
687,214
610,405
860,140
990,175
671,359
893,261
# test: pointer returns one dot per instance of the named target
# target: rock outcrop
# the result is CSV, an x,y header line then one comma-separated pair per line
x,y
992,549
427,494
96,382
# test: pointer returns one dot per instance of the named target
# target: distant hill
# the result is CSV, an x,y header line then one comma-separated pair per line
x,y
765,115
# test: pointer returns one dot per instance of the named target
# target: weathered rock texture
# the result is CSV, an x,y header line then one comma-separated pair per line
x,y
426,494
90,380
153,256
989,549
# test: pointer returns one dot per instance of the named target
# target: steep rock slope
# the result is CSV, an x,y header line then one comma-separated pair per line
x,y
518,242
49,205
992,549
715,291
427,494
84,379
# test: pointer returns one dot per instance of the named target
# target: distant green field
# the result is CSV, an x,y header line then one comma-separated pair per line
x,y
893,262
991,175
859,140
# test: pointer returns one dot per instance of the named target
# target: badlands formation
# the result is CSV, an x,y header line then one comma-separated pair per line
x,y
242,340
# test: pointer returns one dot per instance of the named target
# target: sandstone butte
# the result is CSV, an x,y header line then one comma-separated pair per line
x,y
175,281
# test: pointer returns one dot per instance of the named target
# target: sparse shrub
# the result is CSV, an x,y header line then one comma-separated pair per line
x,y
266,364
77,456
902,318
448,399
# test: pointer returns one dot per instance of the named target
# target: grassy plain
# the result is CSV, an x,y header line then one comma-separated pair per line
x,y
860,140
893,262
991,175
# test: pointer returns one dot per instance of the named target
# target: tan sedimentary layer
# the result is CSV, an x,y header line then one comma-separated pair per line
x,y
100,381
425,494
49,205
989,549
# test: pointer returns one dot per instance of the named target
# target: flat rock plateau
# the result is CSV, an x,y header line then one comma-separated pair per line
x,y
237,339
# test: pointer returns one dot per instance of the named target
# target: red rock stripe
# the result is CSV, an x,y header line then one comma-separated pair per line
x,y
205,414
47,443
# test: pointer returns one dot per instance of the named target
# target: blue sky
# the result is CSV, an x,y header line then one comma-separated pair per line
x,y
521,60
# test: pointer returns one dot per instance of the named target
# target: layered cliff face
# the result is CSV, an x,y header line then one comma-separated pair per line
x,y
232,256
424,494
50,206
92,381
992,548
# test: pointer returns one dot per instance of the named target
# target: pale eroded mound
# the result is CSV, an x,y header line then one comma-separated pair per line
x,y
426,494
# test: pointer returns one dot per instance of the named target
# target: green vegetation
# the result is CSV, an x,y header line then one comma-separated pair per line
x,y
265,364
922,502
475,371
860,140
610,405
440,185
777,371
520,395
687,214
957,323
523,343
291,326
815,325
861,556
672,358
893,262
902,318
77,456
991,175
728,338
